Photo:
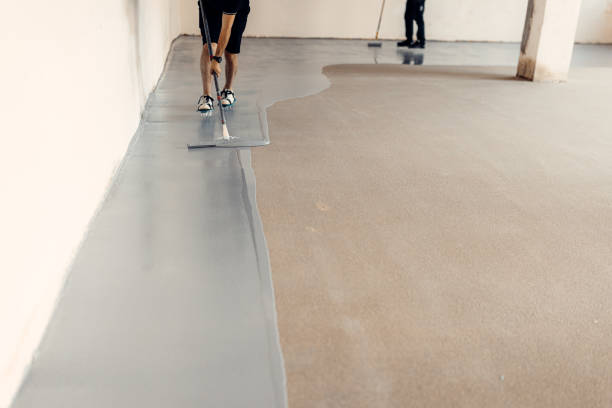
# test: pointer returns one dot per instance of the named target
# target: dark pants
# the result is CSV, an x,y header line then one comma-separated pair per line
x,y
414,13
214,15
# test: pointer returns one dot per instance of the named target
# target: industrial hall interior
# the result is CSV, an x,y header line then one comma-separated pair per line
x,y
306,204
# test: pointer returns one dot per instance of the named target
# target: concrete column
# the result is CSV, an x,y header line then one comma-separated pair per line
x,y
548,39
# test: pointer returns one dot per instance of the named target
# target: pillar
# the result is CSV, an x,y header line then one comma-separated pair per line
x,y
548,39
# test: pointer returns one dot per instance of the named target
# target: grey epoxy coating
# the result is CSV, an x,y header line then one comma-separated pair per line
x,y
169,110
169,301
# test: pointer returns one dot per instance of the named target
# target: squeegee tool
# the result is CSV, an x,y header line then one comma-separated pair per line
x,y
377,43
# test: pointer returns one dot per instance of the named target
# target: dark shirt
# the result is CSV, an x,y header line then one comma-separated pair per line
x,y
230,6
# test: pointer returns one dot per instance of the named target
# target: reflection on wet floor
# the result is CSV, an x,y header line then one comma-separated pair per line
x,y
412,57
405,56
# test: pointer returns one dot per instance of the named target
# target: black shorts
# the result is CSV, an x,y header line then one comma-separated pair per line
x,y
215,18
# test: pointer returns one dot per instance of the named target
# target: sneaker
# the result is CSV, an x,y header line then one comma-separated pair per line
x,y
404,43
228,98
417,44
206,104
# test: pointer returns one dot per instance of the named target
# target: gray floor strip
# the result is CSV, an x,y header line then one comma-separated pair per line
x,y
170,301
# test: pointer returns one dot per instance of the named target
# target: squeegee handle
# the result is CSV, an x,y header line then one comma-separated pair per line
x,y
382,9
210,54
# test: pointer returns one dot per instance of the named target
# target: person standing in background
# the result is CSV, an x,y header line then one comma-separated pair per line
x,y
414,14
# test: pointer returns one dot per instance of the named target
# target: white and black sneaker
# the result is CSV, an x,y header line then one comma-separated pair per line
x,y
228,98
206,104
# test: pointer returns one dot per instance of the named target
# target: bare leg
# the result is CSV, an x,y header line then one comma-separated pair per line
x,y
205,70
231,68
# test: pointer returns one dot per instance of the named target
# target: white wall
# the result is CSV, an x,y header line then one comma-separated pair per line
x,y
74,77
447,20
595,24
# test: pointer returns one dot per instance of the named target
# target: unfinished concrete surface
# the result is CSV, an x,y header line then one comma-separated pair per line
x,y
442,237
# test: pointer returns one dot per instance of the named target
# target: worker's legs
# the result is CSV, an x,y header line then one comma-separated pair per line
x,y
232,50
418,18
231,69
408,19
205,70
214,17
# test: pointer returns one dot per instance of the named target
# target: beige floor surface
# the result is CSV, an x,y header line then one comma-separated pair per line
x,y
442,237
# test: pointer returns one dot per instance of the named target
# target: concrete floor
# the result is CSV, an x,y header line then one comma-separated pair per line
x,y
170,300
449,245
